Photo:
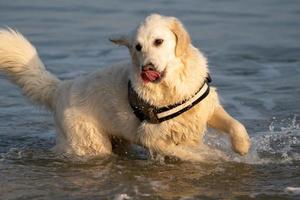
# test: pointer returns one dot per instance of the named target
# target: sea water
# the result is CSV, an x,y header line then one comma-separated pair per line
x,y
253,49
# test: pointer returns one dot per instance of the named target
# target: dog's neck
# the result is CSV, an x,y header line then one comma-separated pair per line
x,y
176,86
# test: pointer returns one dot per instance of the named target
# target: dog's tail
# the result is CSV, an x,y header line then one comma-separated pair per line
x,y
20,62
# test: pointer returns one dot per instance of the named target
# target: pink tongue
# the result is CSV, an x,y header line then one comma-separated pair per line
x,y
150,75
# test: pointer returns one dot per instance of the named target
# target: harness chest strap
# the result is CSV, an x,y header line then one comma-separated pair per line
x,y
145,111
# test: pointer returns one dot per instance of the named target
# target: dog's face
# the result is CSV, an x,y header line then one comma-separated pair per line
x,y
153,50
156,47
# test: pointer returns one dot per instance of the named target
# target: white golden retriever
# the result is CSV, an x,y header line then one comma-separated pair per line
x,y
161,100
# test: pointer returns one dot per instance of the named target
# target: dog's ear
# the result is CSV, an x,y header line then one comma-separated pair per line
x,y
121,40
182,37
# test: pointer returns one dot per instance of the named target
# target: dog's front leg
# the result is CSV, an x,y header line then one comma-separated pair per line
x,y
222,121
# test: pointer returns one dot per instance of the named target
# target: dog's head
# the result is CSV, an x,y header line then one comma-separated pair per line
x,y
157,47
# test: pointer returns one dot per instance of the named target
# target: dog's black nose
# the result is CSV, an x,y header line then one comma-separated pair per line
x,y
148,67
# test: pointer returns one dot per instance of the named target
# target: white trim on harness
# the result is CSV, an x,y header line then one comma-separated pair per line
x,y
185,104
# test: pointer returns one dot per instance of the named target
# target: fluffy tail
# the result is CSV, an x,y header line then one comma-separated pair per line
x,y
20,62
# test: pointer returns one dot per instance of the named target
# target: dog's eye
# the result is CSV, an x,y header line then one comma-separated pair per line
x,y
138,47
158,42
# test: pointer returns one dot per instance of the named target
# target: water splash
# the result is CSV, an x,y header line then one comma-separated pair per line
x,y
279,144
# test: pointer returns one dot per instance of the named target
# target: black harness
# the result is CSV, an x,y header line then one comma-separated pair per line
x,y
145,111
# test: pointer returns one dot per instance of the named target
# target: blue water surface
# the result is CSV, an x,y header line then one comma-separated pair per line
x,y
253,49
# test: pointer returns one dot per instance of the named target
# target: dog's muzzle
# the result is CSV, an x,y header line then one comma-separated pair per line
x,y
150,73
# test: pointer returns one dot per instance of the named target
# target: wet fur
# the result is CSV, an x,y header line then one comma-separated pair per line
x,y
90,111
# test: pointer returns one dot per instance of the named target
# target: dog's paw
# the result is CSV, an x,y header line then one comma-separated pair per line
x,y
240,140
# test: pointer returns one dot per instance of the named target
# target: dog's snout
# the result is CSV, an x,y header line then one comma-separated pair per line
x,y
148,67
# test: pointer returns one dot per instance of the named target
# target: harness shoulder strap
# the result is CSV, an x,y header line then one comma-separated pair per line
x,y
147,112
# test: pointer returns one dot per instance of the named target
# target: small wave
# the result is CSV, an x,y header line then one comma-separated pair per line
x,y
122,197
292,190
279,144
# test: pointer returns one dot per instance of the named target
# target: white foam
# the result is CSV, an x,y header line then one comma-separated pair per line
x,y
293,190
122,197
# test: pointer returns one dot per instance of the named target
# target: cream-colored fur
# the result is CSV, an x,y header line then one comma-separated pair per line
x,y
90,111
